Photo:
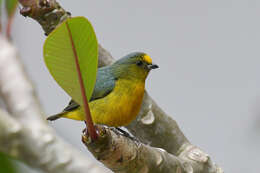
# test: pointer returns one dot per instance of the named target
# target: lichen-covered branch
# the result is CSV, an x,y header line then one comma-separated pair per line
x,y
24,132
153,126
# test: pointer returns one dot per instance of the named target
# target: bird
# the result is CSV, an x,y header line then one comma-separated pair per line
x,y
118,93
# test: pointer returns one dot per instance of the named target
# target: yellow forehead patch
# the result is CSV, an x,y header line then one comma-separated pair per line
x,y
147,59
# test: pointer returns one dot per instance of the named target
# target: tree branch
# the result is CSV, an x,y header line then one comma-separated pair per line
x,y
124,155
25,133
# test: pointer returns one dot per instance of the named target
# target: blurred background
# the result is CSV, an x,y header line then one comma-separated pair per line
x,y
209,76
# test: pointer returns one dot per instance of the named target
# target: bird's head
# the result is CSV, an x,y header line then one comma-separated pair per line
x,y
135,65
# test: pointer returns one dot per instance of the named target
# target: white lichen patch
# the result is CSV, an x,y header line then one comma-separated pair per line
x,y
148,119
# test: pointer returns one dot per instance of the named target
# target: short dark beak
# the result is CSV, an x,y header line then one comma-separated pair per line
x,y
153,66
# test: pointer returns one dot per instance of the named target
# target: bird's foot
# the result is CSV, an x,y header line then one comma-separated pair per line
x,y
100,131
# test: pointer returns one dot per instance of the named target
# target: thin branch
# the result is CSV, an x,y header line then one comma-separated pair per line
x,y
47,12
25,133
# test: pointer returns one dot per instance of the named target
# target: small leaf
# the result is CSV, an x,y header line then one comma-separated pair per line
x,y
10,6
59,55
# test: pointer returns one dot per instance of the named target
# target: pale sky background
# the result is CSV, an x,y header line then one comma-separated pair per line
x,y
209,76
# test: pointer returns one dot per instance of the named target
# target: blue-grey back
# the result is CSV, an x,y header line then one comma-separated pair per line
x,y
105,83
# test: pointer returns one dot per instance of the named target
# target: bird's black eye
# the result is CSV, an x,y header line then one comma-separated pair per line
x,y
139,63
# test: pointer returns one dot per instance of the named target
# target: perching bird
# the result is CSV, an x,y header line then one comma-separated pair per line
x,y
118,93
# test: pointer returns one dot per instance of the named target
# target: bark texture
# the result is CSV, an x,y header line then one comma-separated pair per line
x,y
124,155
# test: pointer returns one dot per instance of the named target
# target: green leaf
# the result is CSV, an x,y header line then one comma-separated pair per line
x,y
10,6
60,52
5,164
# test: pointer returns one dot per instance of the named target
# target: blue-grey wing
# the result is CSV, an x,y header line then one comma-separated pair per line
x,y
105,83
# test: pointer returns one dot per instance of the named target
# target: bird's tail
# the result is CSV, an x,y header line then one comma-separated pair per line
x,y
56,116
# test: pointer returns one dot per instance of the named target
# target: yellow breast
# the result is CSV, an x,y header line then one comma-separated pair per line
x,y
121,106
